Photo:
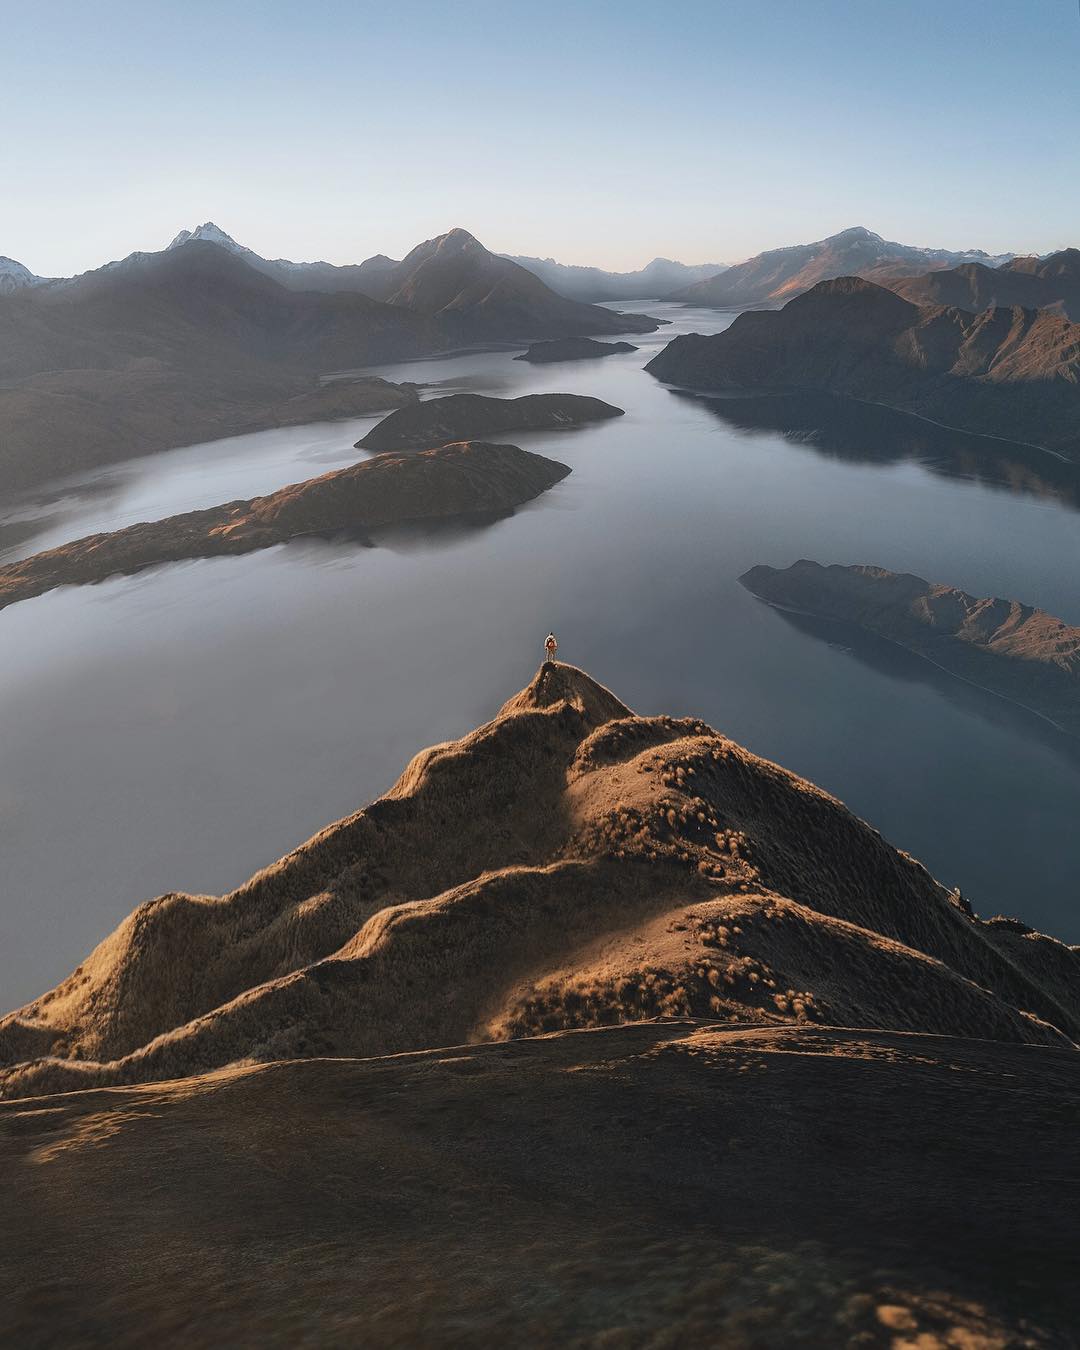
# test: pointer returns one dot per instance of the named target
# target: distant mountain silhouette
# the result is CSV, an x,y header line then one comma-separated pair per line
x,y
773,277
651,282
163,349
482,296
1005,372
206,339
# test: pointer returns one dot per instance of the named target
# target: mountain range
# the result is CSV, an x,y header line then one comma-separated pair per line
x,y
1009,372
14,276
773,277
197,342
654,281
1052,282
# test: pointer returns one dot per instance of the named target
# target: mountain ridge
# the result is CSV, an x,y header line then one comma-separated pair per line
x,y
1013,373
654,281
1032,283
777,275
164,349
568,864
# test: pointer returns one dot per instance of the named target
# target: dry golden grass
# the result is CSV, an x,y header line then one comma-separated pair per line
x,y
660,1185
569,864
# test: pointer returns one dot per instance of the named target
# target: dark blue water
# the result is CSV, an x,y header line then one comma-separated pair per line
x,y
179,729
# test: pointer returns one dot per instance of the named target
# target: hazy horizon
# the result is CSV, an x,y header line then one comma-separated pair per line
x,y
601,137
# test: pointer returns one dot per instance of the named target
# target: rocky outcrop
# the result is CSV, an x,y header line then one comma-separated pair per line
x,y
465,479
1005,372
464,416
572,349
1021,653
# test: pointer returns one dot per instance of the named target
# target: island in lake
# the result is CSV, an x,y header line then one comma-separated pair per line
x,y
459,417
572,349
1014,650
466,479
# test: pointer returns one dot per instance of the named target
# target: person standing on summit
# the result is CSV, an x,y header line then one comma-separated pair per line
x,y
550,647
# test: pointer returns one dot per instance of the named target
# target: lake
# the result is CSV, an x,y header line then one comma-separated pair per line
x,y
180,729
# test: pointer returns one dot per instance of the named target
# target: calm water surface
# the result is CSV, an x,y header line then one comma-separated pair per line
x,y
179,729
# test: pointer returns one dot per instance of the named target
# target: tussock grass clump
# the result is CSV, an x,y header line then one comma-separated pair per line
x,y
567,864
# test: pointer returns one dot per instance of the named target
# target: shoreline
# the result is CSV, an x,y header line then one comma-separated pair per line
x,y
922,656
794,391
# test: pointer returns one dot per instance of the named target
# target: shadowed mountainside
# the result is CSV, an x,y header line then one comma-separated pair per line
x,y
197,342
779,274
1032,283
469,478
1005,372
1021,653
460,416
479,296
170,348
661,1185
567,865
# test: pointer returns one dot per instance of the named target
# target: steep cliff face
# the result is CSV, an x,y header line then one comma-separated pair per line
x,y
567,865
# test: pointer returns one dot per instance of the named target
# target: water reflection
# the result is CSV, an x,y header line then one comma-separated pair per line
x,y
864,433
896,662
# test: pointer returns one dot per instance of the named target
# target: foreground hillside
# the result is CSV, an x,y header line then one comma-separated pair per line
x,y
660,1185
567,865
1003,372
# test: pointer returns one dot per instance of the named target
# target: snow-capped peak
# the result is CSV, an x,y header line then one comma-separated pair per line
x,y
15,276
211,234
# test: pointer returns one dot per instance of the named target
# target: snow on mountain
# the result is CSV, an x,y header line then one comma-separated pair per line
x,y
212,234
14,276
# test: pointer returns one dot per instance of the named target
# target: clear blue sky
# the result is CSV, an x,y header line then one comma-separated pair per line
x,y
601,131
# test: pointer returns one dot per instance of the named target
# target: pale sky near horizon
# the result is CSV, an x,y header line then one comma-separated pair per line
x,y
601,131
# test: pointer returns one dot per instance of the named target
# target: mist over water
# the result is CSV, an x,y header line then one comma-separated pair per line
x,y
182,728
